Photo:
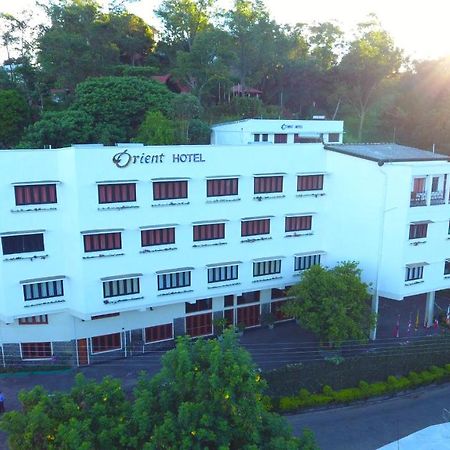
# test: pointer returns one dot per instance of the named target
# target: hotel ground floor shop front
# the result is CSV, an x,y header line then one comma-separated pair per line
x,y
127,333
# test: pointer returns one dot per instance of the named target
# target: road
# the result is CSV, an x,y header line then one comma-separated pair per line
x,y
374,424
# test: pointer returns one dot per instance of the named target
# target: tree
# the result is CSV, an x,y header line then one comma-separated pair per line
x,y
333,303
59,129
156,129
372,57
185,107
92,415
14,115
207,395
199,132
182,20
118,104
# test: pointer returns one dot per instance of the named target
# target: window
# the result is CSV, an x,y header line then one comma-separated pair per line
x,y
105,316
414,273
159,333
199,325
38,194
418,194
333,137
115,193
265,137
306,262
309,183
209,232
447,267
34,320
278,293
223,273
125,286
167,190
174,280
36,350
275,309
221,187
255,227
106,343
158,236
44,289
256,137
248,297
249,316
200,305
299,139
298,223
264,185
280,138
23,243
102,241
266,267
260,137
418,230
228,301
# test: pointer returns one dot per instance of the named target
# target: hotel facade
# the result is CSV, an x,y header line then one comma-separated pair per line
x,y
112,251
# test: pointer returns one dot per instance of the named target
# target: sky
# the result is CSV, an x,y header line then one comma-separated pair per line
x,y
420,28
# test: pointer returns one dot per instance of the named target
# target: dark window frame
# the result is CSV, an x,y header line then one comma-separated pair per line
x,y
255,227
34,320
268,184
121,287
298,223
223,273
174,280
309,183
43,289
99,242
35,194
418,230
414,273
269,267
106,343
204,304
36,350
208,232
157,236
221,187
158,333
305,262
116,193
170,190
23,243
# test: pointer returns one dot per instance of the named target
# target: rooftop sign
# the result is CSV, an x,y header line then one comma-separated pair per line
x,y
124,159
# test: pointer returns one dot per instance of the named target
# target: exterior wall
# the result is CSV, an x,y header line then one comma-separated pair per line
x,y
363,213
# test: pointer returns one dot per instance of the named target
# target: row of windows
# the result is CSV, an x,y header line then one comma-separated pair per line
x,y
170,280
37,194
415,272
26,243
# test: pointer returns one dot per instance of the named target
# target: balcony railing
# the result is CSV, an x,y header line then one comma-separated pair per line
x,y
437,198
418,199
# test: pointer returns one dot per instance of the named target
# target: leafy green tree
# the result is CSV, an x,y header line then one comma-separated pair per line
x,y
117,105
207,395
332,303
59,129
156,129
14,115
371,58
182,20
185,107
199,132
91,416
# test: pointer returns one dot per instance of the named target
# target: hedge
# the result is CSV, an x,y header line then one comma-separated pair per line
x,y
372,366
364,390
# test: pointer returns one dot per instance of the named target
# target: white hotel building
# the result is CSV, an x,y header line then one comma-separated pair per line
x,y
108,251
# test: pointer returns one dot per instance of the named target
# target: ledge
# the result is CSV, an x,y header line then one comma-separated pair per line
x,y
267,279
129,299
103,255
49,302
176,292
117,208
312,194
417,242
169,203
164,249
414,282
209,244
447,276
23,258
19,210
295,234
224,285
267,197
243,241
224,200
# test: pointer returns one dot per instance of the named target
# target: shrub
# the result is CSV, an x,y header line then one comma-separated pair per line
x,y
327,390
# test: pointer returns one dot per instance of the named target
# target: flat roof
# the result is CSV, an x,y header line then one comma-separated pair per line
x,y
384,153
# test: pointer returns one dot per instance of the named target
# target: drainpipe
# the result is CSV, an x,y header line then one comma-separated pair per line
x,y
375,298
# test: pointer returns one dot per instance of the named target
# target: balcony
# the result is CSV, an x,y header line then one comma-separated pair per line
x,y
418,199
437,198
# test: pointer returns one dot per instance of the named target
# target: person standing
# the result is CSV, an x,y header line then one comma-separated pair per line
x,y
2,403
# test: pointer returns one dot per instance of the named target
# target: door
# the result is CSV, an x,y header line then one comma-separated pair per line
x,y
82,349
